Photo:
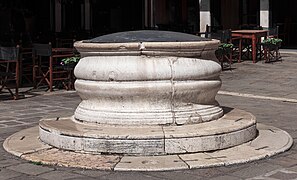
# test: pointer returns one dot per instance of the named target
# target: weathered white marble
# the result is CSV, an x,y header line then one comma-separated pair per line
x,y
147,90
225,132
196,49
148,93
270,141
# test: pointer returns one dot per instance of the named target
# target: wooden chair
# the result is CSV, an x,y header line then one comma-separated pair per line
x,y
9,70
26,60
224,55
47,67
273,32
26,64
271,53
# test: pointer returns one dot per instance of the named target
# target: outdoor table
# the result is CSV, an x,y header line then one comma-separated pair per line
x,y
254,35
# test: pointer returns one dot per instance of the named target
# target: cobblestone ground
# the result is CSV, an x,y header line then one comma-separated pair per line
x,y
269,91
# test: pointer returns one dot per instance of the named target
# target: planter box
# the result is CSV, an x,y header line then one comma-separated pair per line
x,y
270,46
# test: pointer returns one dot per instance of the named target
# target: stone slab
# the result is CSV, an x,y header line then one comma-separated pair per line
x,y
150,163
9,174
73,159
208,143
30,169
24,141
61,175
200,160
247,152
70,134
267,143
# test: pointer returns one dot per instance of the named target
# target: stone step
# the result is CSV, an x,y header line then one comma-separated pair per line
x,y
234,128
270,141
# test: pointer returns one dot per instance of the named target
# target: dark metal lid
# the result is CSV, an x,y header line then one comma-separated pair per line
x,y
146,36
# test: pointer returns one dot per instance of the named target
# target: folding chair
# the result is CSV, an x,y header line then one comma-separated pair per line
x,y
224,55
9,70
271,53
47,67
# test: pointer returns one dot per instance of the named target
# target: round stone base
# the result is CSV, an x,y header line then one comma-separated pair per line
x,y
270,141
234,128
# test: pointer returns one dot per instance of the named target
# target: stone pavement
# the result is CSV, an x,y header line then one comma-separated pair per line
x,y
266,90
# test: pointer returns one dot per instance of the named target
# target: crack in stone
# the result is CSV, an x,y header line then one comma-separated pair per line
x,y
238,119
172,89
189,167
264,147
164,140
113,167
271,130
216,157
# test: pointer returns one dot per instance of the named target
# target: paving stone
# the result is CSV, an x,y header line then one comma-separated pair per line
x,y
294,168
6,118
61,175
255,169
284,175
8,174
150,163
8,162
130,176
72,159
285,161
225,178
30,169
172,175
206,173
12,123
200,160
21,116
84,178
26,177
30,119
92,173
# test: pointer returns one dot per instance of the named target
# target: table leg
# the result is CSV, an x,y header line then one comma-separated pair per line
x,y
240,50
254,49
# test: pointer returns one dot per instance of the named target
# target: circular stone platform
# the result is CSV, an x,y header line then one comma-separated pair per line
x,y
270,141
234,128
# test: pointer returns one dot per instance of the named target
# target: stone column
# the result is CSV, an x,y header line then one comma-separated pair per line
x,y
58,16
264,13
149,19
205,17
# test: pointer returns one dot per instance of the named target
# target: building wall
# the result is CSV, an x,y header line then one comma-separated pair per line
x,y
230,14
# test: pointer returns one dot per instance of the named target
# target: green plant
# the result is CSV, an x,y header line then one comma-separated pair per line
x,y
70,60
273,41
226,46
38,163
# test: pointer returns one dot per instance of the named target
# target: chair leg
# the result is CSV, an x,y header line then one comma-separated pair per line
x,y
17,79
34,74
51,74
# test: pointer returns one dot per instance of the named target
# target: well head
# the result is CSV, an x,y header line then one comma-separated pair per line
x,y
149,43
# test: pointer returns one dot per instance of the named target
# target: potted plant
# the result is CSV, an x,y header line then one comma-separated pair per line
x,y
70,62
224,49
271,43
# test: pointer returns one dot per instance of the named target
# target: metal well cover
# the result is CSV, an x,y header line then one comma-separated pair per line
x,y
146,36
